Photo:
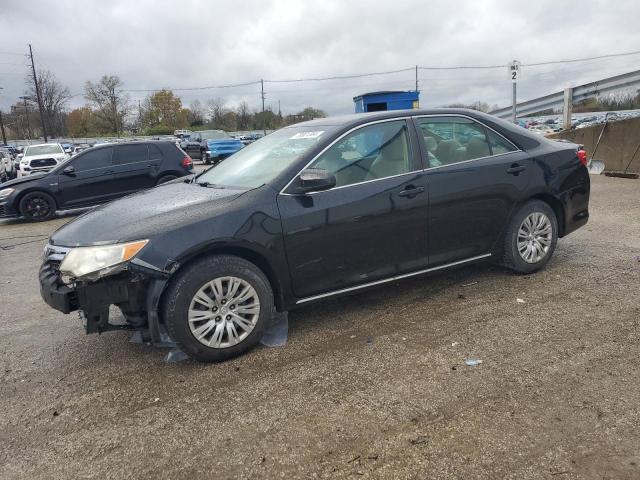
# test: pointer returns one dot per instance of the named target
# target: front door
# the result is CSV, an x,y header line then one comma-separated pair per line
x,y
475,179
372,225
91,182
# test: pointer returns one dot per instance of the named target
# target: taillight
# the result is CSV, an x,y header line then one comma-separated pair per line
x,y
582,156
187,162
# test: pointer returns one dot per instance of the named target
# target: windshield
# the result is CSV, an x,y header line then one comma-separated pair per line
x,y
263,160
43,150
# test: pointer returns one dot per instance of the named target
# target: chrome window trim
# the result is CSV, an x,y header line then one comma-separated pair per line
x,y
358,127
473,120
390,279
405,118
427,170
472,159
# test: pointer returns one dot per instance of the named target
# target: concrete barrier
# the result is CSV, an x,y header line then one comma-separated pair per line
x,y
619,142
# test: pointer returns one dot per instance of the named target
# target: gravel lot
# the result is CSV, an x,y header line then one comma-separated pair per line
x,y
371,385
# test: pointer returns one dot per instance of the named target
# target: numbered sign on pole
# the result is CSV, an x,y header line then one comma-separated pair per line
x,y
515,71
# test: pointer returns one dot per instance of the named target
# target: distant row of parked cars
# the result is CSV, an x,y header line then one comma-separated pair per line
x,y
50,179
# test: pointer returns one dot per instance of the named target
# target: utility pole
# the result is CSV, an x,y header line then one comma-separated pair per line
x,y
568,108
26,114
514,75
4,136
513,112
264,127
35,81
416,78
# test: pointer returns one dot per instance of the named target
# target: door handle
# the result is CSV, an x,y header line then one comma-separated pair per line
x,y
515,169
410,191
109,172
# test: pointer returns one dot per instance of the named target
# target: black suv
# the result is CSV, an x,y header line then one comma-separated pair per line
x,y
95,176
314,210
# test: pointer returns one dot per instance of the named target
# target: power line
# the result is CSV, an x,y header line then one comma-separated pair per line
x,y
554,62
233,85
388,72
342,77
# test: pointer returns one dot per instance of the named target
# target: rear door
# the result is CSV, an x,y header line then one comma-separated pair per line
x,y
136,166
475,178
372,225
92,181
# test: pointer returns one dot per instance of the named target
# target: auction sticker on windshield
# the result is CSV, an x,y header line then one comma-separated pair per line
x,y
307,135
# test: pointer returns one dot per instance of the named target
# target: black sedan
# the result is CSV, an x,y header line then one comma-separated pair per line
x,y
314,210
94,176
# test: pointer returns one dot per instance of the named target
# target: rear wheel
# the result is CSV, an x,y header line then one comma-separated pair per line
x,y
218,308
37,206
531,238
166,178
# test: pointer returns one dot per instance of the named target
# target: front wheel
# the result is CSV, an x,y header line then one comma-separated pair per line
x,y
218,308
531,238
37,206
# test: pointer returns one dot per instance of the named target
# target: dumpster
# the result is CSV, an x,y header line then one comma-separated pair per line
x,y
389,100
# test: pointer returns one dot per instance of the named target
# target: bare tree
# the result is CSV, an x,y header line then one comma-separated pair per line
x,y
55,97
111,105
217,111
244,116
198,116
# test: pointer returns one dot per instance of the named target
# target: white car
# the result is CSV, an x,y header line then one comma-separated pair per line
x,y
41,158
6,166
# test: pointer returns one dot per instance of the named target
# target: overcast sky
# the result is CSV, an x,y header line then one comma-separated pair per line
x,y
156,44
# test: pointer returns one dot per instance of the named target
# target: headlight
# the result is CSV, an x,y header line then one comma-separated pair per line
x,y
5,192
99,261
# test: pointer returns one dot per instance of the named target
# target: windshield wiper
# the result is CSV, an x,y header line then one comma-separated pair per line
x,y
208,184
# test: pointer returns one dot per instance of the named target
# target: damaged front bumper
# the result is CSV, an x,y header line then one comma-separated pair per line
x,y
135,291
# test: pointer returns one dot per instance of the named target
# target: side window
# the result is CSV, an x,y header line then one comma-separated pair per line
x,y
453,139
131,153
498,144
93,159
154,152
371,152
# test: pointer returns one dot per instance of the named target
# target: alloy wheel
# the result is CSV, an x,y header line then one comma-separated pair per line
x,y
38,207
534,237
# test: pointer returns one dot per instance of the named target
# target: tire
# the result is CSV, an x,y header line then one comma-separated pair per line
x,y
533,230
166,178
37,206
213,315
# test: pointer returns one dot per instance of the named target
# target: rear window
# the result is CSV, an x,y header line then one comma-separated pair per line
x,y
154,152
131,153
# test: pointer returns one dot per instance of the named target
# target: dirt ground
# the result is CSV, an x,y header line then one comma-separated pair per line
x,y
373,385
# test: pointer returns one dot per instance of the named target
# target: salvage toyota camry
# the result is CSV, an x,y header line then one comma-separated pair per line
x,y
318,209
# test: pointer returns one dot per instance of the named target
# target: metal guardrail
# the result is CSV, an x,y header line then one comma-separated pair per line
x,y
580,93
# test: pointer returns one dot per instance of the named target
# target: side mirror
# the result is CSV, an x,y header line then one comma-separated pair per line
x,y
315,180
70,170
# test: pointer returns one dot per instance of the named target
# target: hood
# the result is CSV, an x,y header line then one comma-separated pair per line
x,y
18,181
145,214
57,156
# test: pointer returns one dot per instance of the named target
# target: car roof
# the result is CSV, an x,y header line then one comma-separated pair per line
x,y
520,136
42,144
133,142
